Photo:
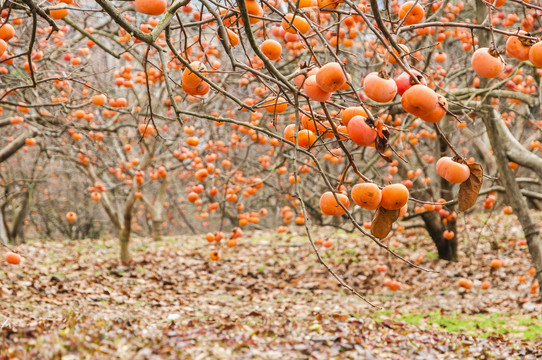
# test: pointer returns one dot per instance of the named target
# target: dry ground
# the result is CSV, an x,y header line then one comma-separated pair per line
x,y
268,298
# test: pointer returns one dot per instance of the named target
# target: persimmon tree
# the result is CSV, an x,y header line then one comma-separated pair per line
x,y
352,114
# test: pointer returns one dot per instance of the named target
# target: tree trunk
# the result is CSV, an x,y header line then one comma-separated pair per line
x,y
157,230
447,249
513,193
124,241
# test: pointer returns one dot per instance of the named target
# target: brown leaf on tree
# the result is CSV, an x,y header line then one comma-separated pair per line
x,y
383,222
468,191
313,13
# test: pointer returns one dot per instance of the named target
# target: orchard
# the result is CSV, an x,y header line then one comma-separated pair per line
x,y
218,120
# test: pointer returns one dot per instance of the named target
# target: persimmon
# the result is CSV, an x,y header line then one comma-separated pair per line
x,y
394,196
313,91
233,38
379,87
535,54
366,195
405,82
30,141
350,112
13,258
255,10
306,138
96,196
452,171
71,216
3,47
271,48
214,255
440,57
439,112
59,12
411,12
391,59
298,24
361,133
518,47
465,283
330,77
6,31
330,206
496,263
328,4
99,99
289,133
487,63
307,3
419,100
191,79
277,105
485,285
200,90
150,7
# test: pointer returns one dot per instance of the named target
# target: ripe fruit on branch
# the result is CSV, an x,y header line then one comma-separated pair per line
x,y
330,206
58,12
253,8
350,112
277,105
361,133
452,171
214,255
487,63
233,38
71,216
12,258
404,82
150,7
271,49
419,100
535,54
313,91
3,47
330,77
379,87
415,16
6,31
519,48
367,195
191,79
394,196
99,99
306,138
298,24
391,59
439,112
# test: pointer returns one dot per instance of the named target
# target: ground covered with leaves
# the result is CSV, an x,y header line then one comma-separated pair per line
x,y
269,298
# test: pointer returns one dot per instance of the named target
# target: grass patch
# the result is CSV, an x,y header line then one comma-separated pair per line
x,y
482,325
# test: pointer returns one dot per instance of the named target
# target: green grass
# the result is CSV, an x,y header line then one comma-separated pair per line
x,y
483,325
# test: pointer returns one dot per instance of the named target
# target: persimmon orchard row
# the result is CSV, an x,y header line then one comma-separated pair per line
x,y
224,115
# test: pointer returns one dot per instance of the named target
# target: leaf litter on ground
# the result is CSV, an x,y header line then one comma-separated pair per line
x,y
269,298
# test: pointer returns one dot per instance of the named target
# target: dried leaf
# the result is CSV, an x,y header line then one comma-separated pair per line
x,y
313,13
383,222
468,191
